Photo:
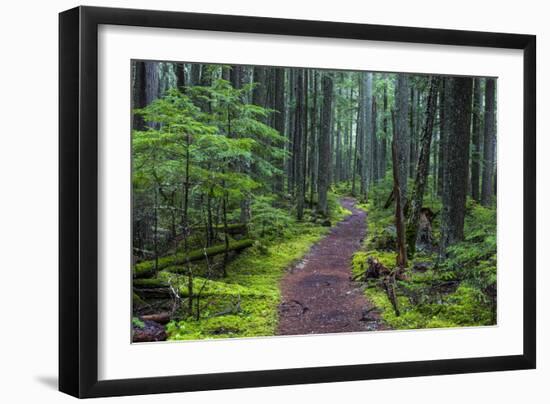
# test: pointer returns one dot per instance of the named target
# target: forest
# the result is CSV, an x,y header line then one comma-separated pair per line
x,y
281,201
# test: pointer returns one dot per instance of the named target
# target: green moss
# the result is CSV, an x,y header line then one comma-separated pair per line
x,y
137,301
359,260
252,284
454,292
146,268
136,322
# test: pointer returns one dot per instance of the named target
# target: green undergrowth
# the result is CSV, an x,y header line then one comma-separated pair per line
x,y
456,291
244,304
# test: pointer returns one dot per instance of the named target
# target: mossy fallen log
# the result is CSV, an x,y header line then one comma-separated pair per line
x,y
146,269
154,293
150,283
161,318
138,301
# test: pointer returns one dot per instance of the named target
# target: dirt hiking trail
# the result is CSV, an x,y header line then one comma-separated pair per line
x,y
318,295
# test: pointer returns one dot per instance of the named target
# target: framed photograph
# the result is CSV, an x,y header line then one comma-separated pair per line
x,y
251,201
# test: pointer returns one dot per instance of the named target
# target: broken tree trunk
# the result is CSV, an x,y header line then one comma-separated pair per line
x,y
377,270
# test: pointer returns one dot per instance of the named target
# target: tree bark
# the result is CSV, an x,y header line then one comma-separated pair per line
x,y
422,169
442,137
152,86
324,143
299,160
314,150
279,120
384,140
476,139
401,260
456,161
195,78
138,96
489,143
402,130
180,75
367,136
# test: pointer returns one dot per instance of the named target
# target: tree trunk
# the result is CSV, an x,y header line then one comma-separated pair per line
x,y
139,100
236,76
456,161
476,139
367,136
488,143
314,152
442,137
422,169
195,74
259,94
374,144
402,130
401,260
324,143
359,139
279,120
299,161
412,128
180,75
152,86
384,140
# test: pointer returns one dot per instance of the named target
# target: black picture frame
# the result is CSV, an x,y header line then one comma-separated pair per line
x,y
78,201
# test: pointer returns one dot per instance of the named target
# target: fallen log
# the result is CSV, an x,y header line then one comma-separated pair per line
x,y
150,283
154,293
161,318
146,269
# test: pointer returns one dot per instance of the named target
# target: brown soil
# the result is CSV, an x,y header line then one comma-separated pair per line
x,y
318,295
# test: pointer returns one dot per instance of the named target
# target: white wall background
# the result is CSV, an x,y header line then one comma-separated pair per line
x,y
28,201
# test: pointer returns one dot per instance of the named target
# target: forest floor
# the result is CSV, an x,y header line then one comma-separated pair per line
x,y
318,295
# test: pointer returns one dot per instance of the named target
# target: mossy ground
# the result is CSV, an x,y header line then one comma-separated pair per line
x,y
454,292
252,284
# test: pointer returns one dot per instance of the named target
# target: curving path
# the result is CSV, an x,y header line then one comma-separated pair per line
x,y
318,295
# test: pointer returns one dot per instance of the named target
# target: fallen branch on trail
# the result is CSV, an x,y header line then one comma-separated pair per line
x,y
146,269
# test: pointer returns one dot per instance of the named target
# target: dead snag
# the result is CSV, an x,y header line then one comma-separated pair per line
x,y
377,270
